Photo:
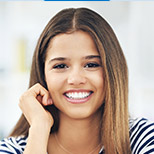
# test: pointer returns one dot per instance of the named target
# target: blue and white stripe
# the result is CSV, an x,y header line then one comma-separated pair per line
x,y
141,139
13,145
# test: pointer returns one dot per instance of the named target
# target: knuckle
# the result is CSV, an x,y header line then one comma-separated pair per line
x,y
22,98
37,85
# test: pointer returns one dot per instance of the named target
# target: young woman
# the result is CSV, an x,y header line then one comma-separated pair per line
x,y
77,101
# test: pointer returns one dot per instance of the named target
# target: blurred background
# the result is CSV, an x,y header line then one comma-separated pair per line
x,y
21,23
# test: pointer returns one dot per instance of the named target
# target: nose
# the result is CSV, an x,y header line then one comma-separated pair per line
x,y
76,77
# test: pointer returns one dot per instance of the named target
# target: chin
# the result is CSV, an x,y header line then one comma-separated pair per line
x,y
80,115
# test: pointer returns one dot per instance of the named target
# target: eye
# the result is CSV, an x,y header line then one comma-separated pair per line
x,y
60,66
92,65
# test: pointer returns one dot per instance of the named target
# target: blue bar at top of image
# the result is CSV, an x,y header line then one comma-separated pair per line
x,y
76,0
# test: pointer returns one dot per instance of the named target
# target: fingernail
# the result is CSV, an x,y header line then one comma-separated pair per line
x,y
50,101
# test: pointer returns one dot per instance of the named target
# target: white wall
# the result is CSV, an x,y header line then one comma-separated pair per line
x,y
21,24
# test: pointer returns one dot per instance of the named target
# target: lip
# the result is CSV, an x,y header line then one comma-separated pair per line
x,y
78,101
78,90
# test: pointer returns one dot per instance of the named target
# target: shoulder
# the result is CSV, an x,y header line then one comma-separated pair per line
x,y
141,136
15,145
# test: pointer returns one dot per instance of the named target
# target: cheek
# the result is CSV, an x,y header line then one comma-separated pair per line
x,y
99,84
54,82
97,79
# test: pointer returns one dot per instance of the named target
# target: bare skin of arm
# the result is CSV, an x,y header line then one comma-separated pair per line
x,y
40,120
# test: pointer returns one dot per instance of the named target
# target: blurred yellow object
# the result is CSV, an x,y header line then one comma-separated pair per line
x,y
21,55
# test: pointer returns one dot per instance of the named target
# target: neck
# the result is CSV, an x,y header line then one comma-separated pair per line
x,y
79,135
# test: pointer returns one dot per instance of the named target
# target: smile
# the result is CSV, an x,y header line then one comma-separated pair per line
x,y
77,95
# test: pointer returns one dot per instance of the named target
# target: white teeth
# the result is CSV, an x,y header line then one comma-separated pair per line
x,y
77,95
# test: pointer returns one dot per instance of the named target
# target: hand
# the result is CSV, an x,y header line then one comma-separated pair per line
x,y
31,104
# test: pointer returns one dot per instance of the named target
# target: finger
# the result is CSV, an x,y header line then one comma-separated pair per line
x,y
49,102
39,98
40,93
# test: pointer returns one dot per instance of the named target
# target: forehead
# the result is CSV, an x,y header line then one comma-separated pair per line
x,y
76,42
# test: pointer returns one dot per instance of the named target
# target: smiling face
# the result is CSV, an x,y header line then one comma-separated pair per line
x,y
74,74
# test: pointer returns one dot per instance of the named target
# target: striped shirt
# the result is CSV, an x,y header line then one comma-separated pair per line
x,y
141,139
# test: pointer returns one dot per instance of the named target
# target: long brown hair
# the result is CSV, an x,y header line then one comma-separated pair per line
x,y
114,123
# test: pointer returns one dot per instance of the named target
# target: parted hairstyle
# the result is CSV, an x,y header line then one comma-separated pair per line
x,y
114,122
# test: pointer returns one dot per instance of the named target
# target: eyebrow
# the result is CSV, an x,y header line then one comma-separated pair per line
x,y
92,56
59,59
65,58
